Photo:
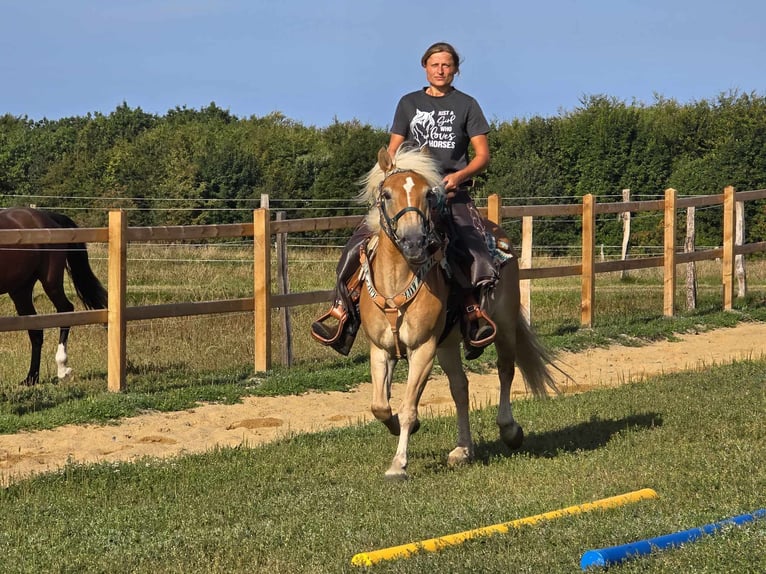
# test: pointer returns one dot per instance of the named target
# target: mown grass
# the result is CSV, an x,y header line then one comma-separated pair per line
x,y
309,503
176,363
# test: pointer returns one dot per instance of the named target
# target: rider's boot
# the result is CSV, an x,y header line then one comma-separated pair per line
x,y
345,309
480,329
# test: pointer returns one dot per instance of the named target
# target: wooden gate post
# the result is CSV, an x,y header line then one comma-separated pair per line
x,y
727,273
525,262
588,273
669,280
116,324
625,216
262,289
739,259
493,208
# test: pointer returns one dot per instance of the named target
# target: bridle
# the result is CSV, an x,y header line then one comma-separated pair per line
x,y
389,224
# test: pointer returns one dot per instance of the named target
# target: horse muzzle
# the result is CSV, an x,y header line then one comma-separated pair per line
x,y
413,247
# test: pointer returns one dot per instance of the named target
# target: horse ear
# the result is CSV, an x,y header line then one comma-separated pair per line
x,y
385,161
425,150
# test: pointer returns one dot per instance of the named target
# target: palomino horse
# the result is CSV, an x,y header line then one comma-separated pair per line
x,y
403,307
23,265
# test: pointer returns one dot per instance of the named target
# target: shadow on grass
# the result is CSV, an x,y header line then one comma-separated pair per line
x,y
584,436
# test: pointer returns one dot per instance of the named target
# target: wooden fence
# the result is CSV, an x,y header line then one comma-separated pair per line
x,y
117,235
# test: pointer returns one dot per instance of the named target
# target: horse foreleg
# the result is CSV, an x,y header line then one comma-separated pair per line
x,y
510,431
381,374
449,359
420,363
36,340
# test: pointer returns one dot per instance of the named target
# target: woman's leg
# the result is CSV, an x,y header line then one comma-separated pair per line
x,y
345,309
469,226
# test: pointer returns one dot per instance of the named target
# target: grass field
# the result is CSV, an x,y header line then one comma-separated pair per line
x,y
309,503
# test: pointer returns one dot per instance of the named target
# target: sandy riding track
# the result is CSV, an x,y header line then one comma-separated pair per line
x,y
262,419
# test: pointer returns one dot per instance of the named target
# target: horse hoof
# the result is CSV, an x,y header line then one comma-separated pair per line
x,y
459,455
65,374
396,474
393,426
512,436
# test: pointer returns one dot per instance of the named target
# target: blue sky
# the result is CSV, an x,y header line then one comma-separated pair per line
x,y
316,61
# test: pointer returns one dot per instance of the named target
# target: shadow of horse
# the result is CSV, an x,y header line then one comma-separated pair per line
x,y
584,436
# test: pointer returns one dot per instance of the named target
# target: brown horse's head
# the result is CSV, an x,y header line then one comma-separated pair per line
x,y
402,191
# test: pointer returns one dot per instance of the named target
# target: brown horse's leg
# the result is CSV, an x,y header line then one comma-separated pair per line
x,y
53,284
22,300
449,360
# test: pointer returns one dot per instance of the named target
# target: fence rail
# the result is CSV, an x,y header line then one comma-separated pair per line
x,y
117,236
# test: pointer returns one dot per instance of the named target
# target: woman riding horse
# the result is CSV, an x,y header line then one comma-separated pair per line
x,y
444,121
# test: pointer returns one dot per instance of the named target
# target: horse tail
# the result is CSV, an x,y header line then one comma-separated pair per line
x,y
534,360
89,289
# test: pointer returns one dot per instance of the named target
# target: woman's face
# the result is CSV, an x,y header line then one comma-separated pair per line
x,y
440,69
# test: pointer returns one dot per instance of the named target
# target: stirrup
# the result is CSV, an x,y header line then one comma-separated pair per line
x,y
322,332
484,334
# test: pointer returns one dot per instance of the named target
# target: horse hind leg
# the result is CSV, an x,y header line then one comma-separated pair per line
x,y
56,294
449,360
62,370
511,432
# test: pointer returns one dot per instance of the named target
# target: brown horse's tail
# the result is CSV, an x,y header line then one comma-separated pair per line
x,y
534,360
89,289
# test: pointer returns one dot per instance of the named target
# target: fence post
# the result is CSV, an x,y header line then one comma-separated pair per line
x,y
283,280
739,259
588,272
625,216
669,280
116,324
691,267
727,272
493,208
262,289
525,285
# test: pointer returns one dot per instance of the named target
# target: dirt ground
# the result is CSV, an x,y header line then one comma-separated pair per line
x,y
262,419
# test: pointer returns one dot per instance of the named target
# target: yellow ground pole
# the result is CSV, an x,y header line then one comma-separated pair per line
x,y
436,544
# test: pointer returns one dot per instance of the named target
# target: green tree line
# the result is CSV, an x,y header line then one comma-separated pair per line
x,y
193,166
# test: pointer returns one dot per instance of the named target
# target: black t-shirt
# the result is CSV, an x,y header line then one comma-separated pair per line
x,y
445,125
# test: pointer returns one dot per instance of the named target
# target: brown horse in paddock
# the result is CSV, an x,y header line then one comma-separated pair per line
x,y
21,266
404,305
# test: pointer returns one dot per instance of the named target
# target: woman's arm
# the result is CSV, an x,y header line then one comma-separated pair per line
x,y
476,165
394,143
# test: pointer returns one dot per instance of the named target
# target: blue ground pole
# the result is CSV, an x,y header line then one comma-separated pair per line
x,y
615,554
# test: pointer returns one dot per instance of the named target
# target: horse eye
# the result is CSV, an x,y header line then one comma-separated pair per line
x,y
386,195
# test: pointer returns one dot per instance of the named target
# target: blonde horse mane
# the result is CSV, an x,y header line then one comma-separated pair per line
x,y
407,158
